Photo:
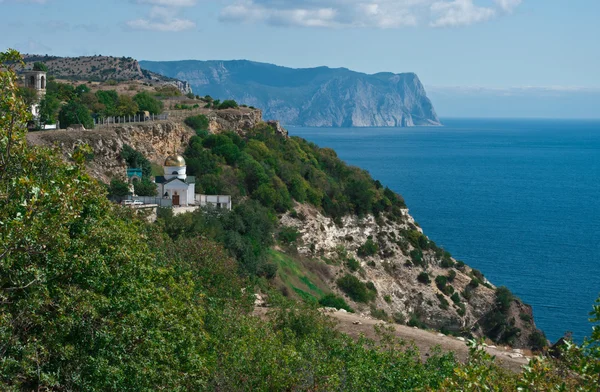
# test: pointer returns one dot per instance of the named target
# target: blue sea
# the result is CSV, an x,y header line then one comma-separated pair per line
x,y
517,199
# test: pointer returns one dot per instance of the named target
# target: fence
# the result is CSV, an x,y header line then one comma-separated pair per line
x,y
138,118
168,203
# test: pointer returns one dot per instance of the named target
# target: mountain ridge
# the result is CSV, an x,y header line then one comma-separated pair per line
x,y
319,96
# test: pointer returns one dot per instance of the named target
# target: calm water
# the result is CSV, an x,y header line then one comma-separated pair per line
x,y
518,199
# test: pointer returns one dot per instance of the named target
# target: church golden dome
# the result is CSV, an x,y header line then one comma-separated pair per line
x,y
175,160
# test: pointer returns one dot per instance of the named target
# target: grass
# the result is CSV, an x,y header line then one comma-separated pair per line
x,y
306,285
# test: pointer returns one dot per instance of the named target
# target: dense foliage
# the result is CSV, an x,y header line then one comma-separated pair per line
x,y
276,170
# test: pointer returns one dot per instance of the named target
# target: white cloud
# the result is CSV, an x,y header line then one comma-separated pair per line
x,y
508,5
169,3
363,13
459,13
163,16
171,25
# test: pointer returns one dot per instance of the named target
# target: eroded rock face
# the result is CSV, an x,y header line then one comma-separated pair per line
x,y
155,140
393,272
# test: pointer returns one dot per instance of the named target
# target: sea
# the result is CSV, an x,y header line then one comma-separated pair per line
x,y
517,199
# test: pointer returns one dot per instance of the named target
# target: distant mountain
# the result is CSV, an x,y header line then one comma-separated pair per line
x,y
316,97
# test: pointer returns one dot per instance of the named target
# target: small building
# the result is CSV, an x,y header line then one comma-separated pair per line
x,y
220,202
176,184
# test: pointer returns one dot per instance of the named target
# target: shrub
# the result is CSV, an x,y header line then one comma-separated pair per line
x,y
387,299
448,290
462,310
444,304
424,278
440,282
525,317
379,314
447,262
474,283
415,321
371,286
399,318
288,234
503,299
355,289
227,104
353,265
333,301
537,340
369,248
478,275
455,298
197,123
451,276
416,256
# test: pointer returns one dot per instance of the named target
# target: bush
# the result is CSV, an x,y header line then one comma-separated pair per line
x,y
352,264
537,340
399,318
369,248
455,298
444,304
416,256
451,276
387,299
333,301
440,282
227,104
379,314
424,278
147,102
355,289
288,235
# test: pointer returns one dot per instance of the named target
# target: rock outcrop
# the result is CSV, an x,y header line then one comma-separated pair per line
x,y
155,140
316,97
395,275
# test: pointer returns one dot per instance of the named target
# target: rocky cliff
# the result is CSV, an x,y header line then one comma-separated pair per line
x,y
155,140
320,97
394,270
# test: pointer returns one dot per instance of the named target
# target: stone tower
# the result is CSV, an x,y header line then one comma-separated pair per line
x,y
36,80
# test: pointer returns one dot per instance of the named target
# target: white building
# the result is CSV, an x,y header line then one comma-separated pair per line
x,y
176,184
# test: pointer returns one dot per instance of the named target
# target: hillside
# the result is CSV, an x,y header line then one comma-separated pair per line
x,y
101,69
345,225
315,97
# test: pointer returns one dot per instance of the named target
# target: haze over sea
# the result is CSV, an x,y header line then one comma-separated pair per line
x,y
517,199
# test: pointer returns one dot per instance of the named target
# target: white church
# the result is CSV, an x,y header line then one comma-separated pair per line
x,y
176,184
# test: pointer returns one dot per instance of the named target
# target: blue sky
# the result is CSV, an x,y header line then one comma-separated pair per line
x,y
467,43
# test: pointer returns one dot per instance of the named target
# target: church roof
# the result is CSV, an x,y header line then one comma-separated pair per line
x,y
163,180
175,160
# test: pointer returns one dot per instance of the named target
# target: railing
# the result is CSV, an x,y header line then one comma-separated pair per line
x,y
138,118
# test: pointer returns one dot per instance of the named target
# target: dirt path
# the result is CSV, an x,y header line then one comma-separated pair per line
x,y
355,325
426,340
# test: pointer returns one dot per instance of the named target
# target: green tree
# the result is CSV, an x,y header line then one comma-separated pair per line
x,y
73,113
145,187
118,188
49,108
39,66
82,89
84,304
147,102
126,106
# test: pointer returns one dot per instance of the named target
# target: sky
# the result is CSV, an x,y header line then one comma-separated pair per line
x,y
494,44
